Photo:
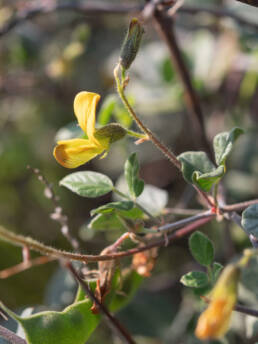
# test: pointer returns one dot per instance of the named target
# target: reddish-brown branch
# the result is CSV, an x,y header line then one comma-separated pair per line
x,y
25,265
122,331
47,250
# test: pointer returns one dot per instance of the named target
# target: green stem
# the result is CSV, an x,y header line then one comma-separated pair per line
x,y
171,156
215,193
164,149
135,134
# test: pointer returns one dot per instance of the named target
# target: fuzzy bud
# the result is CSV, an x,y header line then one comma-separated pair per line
x,y
131,43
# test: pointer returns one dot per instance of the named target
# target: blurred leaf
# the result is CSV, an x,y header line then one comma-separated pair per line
x,y
223,144
205,181
195,279
107,109
153,199
70,131
88,184
201,248
250,220
73,325
198,169
167,70
135,184
106,222
110,207
121,114
130,284
216,269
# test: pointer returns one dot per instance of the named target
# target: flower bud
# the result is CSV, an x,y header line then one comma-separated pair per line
x,y
112,131
214,321
131,43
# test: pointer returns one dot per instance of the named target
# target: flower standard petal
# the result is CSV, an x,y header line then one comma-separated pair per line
x,y
85,104
76,152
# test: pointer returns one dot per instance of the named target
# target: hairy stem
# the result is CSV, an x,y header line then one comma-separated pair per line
x,y
20,240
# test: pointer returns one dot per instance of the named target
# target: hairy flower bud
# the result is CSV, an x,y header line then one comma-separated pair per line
x,y
131,43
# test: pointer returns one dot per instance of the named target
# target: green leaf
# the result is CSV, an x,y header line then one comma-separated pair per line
x,y
195,279
88,184
198,169
250,220
73,325
107,109
223,144
130,284
216,269
135,184
205,181
201,248
110,207
106,222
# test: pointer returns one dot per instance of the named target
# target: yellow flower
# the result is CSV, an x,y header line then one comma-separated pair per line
x,y
214,321
75,152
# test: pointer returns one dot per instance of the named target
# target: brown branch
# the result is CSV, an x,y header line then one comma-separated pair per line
x,y
238,206
165,28
24,266
20,240
122,331
10,336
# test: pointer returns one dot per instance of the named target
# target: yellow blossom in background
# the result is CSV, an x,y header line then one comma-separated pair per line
x,y
215,320
75,152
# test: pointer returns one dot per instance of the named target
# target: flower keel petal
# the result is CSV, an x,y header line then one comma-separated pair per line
x,y
76,152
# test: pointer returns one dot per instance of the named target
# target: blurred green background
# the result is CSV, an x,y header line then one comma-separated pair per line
x,y
44,63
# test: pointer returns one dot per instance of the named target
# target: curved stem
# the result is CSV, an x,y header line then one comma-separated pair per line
x,y
165,150
20,240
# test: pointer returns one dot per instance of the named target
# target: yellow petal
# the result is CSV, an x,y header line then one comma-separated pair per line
x,y
85,104
214,322
75,152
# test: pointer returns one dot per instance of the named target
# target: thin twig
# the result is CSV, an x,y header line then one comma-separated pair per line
x,y
24,266
164,149
20,240
172,226
165,28
183,212
58,214
11,336
238,206
122,331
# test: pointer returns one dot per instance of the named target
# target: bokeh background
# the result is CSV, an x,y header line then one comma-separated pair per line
x,y
45,61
